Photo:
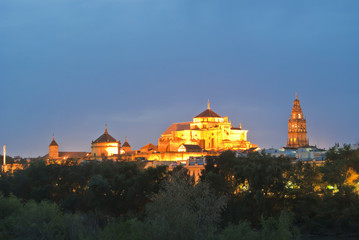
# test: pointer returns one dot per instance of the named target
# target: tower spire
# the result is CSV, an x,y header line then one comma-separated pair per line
x,y
106,128
208,105
297,127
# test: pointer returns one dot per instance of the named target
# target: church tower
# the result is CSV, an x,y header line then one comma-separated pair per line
x,y
297,127
126,147
53,149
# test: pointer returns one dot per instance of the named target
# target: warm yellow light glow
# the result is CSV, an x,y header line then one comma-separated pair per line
x,y
209,132
104,149
182,148
112,150
352,177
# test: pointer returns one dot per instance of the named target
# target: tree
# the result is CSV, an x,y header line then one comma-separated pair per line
x,y
31,221
182,210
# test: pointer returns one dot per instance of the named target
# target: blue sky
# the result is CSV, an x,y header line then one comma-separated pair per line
x,y
69,67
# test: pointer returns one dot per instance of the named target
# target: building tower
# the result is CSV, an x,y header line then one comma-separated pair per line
x,y
126,147
4,155
53,149
297,127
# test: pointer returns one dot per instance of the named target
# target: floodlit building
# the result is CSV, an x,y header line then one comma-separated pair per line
x,y
105,146
194,165
55,154
297,127
126,147
208,130
53,149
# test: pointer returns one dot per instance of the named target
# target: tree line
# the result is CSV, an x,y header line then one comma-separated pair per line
x,y
252,197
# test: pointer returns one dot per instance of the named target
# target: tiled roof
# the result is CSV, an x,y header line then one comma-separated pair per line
x,y
149,147
177,127
105,138
73,154
192,148
70,154
207,113
53,143
126,144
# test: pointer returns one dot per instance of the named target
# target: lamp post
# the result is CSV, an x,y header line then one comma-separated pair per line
x,y
4,157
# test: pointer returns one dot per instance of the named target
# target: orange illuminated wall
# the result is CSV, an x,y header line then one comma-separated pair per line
x,y
297,127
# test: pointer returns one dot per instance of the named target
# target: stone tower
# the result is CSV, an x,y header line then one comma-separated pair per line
x,y
126,147
53,149
297,127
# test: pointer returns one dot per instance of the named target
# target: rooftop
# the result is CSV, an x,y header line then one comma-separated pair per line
x,y
207,113
177,127
105,137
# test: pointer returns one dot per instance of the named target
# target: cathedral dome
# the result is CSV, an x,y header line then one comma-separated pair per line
x,y
105,137
207,113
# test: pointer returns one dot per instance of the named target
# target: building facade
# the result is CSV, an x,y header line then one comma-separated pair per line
x,y
105,146
55,154
297,127
53,149
208,130
126,147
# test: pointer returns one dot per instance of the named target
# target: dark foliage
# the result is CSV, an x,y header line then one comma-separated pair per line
x,y
265,197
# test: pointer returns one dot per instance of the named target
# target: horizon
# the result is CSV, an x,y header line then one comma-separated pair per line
x,y
68,68
89,149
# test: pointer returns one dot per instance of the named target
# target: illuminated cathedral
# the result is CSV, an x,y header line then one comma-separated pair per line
x,y
208,130
207,134
107,146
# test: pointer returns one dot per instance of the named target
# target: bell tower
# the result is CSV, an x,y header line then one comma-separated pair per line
x,y
297,127
53,149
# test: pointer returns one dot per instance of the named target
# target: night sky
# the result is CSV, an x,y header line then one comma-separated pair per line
x,y
70,67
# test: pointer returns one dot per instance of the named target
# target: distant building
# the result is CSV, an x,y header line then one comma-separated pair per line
x,y
299,154
148,148
208,130
126,147
54,153
354,146
53,149
189,148
194,165
285,152
297,127
105,146
310,154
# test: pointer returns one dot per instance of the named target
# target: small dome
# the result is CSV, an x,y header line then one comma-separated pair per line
x,y
207,113
126,144
105,137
